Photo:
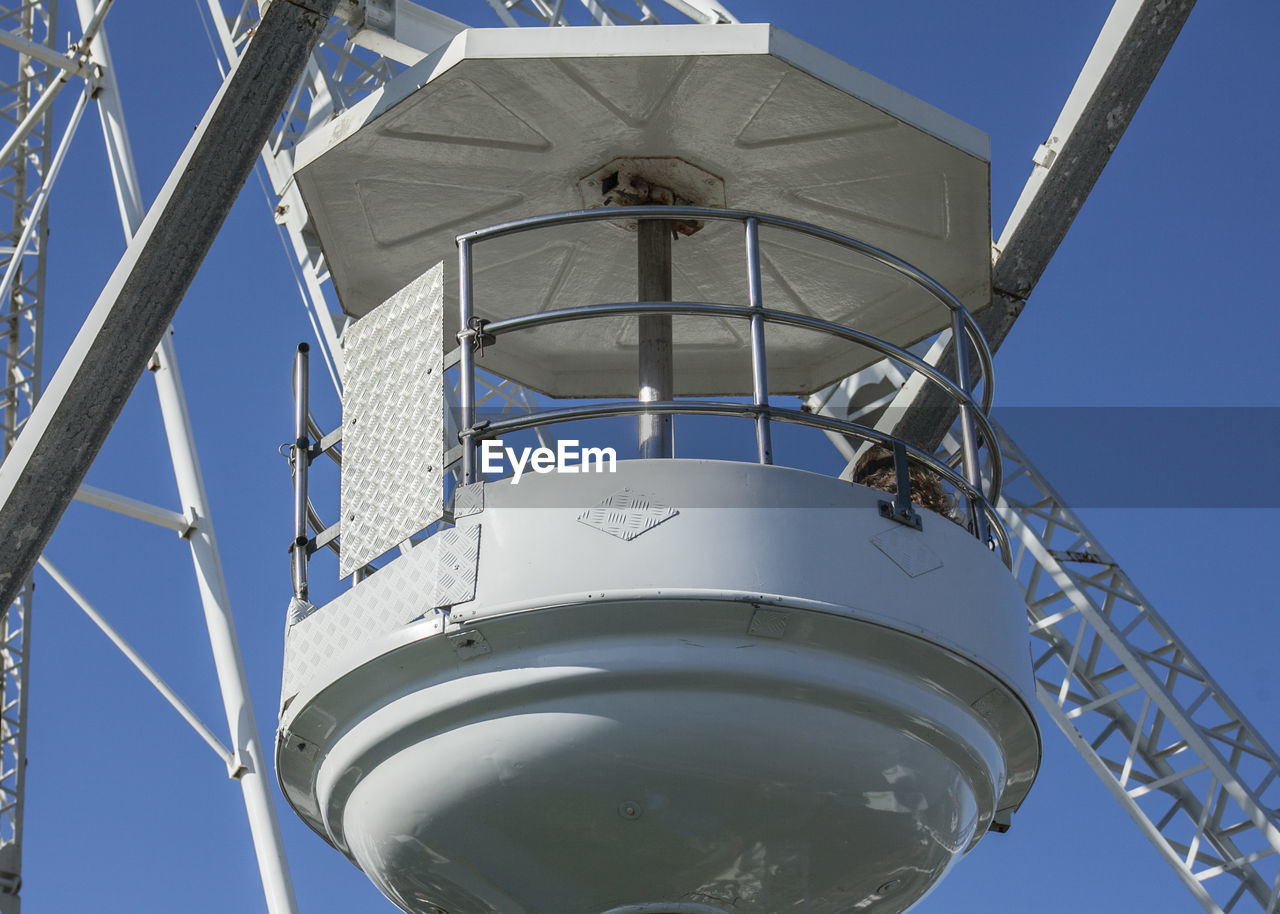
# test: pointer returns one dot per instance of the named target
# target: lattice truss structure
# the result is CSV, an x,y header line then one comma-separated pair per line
x,y
24,166
1195,775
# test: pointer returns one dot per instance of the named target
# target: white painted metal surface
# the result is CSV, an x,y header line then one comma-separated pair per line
x,y
244,760
1211,829
505,124
769,698
247,763
399,30
393,440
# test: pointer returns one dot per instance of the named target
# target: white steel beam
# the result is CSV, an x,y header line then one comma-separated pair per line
x,y
247,763
72,419
324,92
35,114
401,30
40,52
541,12
41,199
70,64
250,765
138,510
74,60
116,136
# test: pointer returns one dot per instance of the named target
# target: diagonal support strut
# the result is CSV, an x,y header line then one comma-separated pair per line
x,y
70,423
1133,44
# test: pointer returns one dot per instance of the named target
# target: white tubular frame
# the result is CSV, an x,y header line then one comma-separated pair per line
x,y
1196,776
248,764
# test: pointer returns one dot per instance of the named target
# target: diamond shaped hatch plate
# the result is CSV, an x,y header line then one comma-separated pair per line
x,y
393,421
626,514
908,550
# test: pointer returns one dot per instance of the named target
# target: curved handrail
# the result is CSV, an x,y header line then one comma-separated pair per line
x,y
586,312
919,277
496,429
710,309
975,426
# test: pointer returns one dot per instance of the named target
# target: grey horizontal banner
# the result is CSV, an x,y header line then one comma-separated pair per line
x,y
1153,457
1096,457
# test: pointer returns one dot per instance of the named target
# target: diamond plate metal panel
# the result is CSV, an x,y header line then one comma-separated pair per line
x,y
468,500
299,610
457,560
393,421
626,514
438,572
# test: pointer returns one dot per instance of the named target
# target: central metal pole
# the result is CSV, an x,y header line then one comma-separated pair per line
x,y
653,283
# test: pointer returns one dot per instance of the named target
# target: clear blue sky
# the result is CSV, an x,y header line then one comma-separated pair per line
x,y
1160,296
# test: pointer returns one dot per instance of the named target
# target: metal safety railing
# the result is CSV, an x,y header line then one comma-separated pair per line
x,y
980,494
311,533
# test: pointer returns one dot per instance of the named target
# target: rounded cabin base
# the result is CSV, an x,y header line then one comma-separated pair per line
x,y
692,750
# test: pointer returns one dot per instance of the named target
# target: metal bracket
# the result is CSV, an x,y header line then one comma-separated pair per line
x,y
193,523
901,509
238,767
322,539
909,518
474,335
326,446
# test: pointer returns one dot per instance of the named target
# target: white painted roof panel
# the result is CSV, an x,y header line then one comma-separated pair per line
x,y
503,123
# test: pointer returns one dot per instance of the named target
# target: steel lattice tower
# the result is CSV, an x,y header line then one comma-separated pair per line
x,y
23,171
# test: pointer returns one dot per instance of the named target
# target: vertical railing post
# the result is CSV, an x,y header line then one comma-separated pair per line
x,y
467,364
969,438
301,460
759,369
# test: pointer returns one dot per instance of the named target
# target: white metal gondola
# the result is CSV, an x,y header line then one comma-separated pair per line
x,y
688,685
